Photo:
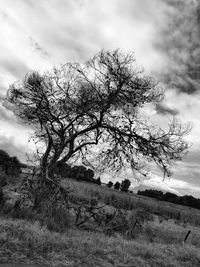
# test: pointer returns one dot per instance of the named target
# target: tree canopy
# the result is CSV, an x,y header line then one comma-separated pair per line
x,y
125,184
171,197
80,109
117,185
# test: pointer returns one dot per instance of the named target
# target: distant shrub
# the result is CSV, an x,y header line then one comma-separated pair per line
x,y
117,185
127,223
186,200
117,223
79,173
125,184
109,184
98,181
10,165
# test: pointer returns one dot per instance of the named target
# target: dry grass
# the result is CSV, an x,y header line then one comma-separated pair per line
x,y
167,232
157,243
132,201
29,243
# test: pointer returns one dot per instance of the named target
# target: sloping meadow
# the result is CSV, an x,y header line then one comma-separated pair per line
x,y
29,243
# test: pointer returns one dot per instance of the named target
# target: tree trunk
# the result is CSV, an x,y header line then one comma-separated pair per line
x,y
44,161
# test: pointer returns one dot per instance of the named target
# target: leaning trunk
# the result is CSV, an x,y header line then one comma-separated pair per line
x,y
44,161
52,166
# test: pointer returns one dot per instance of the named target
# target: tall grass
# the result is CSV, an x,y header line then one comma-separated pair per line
x,y
156,241
29,243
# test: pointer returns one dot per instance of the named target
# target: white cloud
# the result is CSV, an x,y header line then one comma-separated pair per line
x,y
176,186
14,138
188,105
74,30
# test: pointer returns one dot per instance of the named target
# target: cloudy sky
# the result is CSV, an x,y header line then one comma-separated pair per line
x,y
164,34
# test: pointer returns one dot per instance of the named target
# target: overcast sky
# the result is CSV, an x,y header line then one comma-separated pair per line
x,y
164,34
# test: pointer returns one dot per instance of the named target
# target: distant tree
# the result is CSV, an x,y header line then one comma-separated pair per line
x,y
10,165
64,170
117,185
152,193
77,107
4,156
170,197
157,194
4,160
109,184
98,181
79,173
89,174
15,166
125,185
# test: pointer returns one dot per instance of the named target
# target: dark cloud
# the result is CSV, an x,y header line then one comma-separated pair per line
x,y
180,41
165,110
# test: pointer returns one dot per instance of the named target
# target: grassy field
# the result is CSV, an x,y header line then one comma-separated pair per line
x,y
132,201
29,243
158,239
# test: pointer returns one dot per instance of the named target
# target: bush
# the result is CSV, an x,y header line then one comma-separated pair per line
x,y
109,184
126,223
10,165
117,185
98,181
125,185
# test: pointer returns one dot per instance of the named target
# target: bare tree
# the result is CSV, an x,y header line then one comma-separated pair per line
x,y
78,107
